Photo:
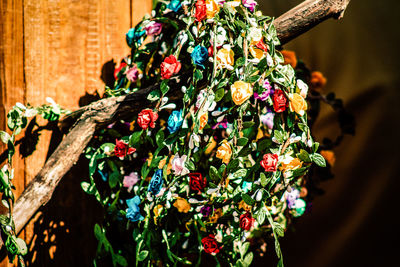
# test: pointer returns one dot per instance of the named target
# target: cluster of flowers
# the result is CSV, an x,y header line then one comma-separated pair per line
x,y
223,162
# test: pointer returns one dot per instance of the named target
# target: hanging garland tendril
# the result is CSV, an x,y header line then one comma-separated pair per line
x,y
220,166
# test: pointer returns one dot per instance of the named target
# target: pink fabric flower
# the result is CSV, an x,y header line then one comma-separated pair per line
x,y
153,28
268,119
178,165
250,4
132,74
130,180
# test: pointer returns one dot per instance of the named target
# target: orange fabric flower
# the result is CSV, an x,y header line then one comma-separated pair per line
x,y
216,215
297,104
295,163
329,156
182,205
318,81
289,58
212,8
211,145
203,120
224,152
241,91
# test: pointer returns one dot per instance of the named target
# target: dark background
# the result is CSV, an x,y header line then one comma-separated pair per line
x,y
355,222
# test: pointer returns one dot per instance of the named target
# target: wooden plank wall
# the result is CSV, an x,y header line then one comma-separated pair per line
x,y
57,48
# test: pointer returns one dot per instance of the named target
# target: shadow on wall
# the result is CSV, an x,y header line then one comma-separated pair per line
x,y
63,230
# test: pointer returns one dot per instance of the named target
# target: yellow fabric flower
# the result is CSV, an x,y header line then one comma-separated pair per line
x,y
211,145
225,57
203,120
243,205
329,156
149,159
257,52
224,152
162,163
241,91
212,8
169,166
291,164
157,211
182,205
297,104
289,58
216,215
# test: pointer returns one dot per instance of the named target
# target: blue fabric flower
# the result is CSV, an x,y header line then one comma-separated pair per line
x,y
199,55
133,36
246,186
156,182
174,5
175,121
133,210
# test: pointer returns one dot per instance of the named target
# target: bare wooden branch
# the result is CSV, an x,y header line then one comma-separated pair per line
x,y
307,15
87,119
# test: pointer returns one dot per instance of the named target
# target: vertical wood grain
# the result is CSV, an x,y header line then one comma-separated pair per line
x,y
12,83
57,48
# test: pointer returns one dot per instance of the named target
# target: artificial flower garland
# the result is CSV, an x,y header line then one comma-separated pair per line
x,y
218,168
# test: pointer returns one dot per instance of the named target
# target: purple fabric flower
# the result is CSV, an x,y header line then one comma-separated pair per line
x,y
250,4
223,124
268,119
262,97
153,28
206,210
268,86
268,91
291,198
132,74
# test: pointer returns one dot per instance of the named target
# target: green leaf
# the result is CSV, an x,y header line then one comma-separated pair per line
x,y
315,146
279,136
233,164
240,173
248,259
248,199
85,186
243,249
242,141
107,147
260,216
113,179
219,94
247,124
214,175
318,159
134,139
264,180
221,169
98,232
154,95
4,136
160,138
278,229
142,255
190,165
304,156
253,78
120,260
299,171
164,87
264,144
198,75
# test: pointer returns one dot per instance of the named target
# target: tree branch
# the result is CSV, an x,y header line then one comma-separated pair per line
x,y
87,119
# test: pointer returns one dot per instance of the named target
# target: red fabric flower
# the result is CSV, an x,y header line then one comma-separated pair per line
x,y
122,149
117,70
269,162
246,221
169,67
201,10
211,51
146,118
197,182
262,45
280,101
210,245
